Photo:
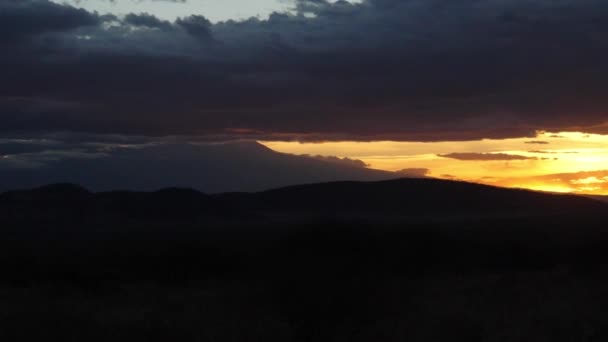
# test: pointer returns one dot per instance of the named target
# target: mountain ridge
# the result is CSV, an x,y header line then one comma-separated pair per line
x,y
403,197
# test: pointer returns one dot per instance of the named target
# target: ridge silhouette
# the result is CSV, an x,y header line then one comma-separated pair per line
x,y
312,260
408,197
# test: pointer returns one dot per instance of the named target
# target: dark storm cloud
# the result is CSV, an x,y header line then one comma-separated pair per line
x,y
197,26
380,69
146,20
485,156
20,19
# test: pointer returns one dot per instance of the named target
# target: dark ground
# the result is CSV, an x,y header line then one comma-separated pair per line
x,y
409,260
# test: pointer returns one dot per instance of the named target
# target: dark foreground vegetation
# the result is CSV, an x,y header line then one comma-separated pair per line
x,y
404,260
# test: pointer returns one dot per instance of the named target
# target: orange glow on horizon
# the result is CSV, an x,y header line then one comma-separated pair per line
x,y
557,162
547,188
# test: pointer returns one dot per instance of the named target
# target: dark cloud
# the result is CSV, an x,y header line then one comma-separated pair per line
x,y
485,156
197,26
21,146
552,152
21,19
147,20
425,70
537,142
337,160
413,172
542,152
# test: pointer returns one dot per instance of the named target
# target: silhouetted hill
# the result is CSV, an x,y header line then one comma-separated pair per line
x,y
411,197
171,203
398,260
52,192
56,202
400,199
602,198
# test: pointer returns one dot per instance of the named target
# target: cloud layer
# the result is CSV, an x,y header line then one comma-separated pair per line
x,y
380,69
586,182
484,156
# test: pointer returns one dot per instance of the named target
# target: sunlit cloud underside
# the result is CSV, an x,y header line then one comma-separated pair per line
x,y
552,161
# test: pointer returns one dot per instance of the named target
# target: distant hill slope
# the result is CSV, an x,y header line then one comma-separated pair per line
x,y
211,168
418,199
415,197
601,198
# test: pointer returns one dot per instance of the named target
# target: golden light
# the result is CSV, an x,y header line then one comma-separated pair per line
x,y
547,188
551,161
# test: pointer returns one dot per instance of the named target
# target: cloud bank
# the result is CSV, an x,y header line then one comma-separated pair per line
x,y
485,156
417,70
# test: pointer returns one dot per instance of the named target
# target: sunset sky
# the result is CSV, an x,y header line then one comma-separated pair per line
x,y
560,162
503,92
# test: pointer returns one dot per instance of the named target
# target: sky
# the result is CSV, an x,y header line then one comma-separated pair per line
x,y
557,162
503,92
214,10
